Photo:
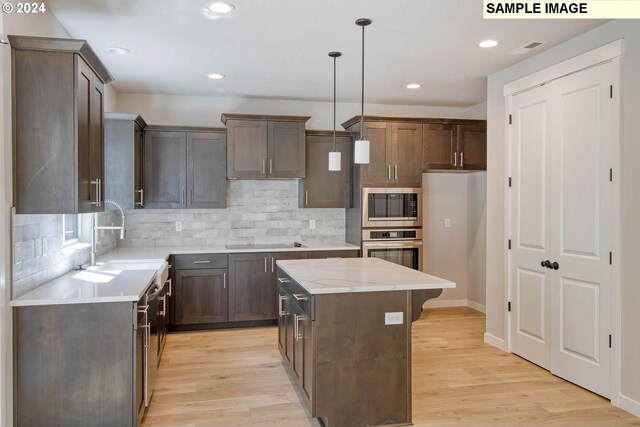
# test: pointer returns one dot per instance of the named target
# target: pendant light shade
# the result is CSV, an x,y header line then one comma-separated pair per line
x,y
335,157
361,149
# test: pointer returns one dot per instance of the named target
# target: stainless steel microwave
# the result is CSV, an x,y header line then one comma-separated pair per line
x,y
392,207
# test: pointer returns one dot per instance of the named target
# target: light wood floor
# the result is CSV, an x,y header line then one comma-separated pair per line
x,y
234,378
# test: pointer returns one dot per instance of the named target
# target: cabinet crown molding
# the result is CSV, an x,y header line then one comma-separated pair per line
x,y
419,120
80,47
233,116
134,117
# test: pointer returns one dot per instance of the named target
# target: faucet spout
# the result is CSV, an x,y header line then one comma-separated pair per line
x,y
95,228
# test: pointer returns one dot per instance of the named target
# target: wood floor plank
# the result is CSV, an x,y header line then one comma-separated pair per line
x,y
235,378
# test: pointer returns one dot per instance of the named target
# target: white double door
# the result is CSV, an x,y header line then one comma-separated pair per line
x,y
561,211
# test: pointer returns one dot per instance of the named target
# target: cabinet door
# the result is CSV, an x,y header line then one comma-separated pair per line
x,y
406,141
378,171
283,307
307,359
297,363
286,150
439,146
96,139
252,295
201,296
165,169
472,147
88,192
247,149
206,170
322,188
138,167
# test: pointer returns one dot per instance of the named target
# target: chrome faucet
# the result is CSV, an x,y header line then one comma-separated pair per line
x,y
95,228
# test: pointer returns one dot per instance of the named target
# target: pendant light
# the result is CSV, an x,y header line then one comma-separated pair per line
x,y
335,158
361,149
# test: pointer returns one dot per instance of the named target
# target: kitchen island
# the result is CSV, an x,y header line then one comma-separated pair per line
x,y
344,332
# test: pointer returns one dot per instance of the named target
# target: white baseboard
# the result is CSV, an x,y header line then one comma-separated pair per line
x,y
478,307
629,405
495,341
434,303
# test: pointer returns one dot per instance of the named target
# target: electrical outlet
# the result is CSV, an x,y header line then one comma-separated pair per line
x,y
312,224
393,318
447,222
178,225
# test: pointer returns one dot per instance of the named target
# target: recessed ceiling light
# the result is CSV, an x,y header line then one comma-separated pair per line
x,y
414,86
216,76
221,7
118,50
488,43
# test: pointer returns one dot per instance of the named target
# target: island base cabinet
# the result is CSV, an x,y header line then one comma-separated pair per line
x,y
76,364
341,383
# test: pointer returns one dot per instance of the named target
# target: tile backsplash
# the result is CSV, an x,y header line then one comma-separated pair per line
x,y
258,212
38,252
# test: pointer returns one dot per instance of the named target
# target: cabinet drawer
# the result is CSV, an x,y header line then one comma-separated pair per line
x,y
195,261
348,253
297,294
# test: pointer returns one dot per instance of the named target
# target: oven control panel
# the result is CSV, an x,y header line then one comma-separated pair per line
x,y
397,234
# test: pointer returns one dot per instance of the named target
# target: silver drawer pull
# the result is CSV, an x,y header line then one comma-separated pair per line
x,y
297,335
281,299
283,280
300,297
202,262
143,309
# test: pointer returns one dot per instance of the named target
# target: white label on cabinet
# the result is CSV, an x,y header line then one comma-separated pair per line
x,y
393,318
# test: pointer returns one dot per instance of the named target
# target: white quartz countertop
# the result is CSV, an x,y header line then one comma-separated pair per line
x,y
94,286
90,286
345,275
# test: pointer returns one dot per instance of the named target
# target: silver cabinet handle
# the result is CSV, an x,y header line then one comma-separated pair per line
x,y
455,159
182,198
389,172
170,292
306,197
202,262
265,264
461,160
141,202
164,305
143,309
300,297
99,192
224,280
273,264
396,171
189,197
296,332
283,280
270,166
264,166
281,299
147,333
96,183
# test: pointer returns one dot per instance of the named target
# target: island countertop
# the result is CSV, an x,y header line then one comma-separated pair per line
x,y
348,275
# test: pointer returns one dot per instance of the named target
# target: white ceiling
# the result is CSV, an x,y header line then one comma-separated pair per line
x,y
278,48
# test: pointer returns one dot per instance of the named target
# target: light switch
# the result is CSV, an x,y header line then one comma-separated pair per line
x,y
178,225
393,318
447,222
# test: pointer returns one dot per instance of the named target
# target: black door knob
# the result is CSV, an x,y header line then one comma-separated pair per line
x,y
555,266
546,263
543,264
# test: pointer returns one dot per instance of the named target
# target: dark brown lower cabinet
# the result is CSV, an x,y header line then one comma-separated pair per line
x,y
251,295
201,296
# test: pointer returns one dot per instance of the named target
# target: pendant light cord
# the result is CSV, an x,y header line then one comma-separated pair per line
x,y
334,103
362,96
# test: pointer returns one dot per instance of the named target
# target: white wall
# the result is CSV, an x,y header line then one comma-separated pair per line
x,y
630,174
457,252
206,111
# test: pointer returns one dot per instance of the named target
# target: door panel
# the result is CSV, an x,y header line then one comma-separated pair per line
x,y
286,150
581,124
439,146
407,153
247,145
165,169
138,154
377,171
530,227
206,170
323,188
252,293
472,147
201,296
87,192
96,131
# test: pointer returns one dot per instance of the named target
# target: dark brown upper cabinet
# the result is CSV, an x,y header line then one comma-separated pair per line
x,y
185,168
322,188
395,152
454,146
265,147
124,159
58,132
